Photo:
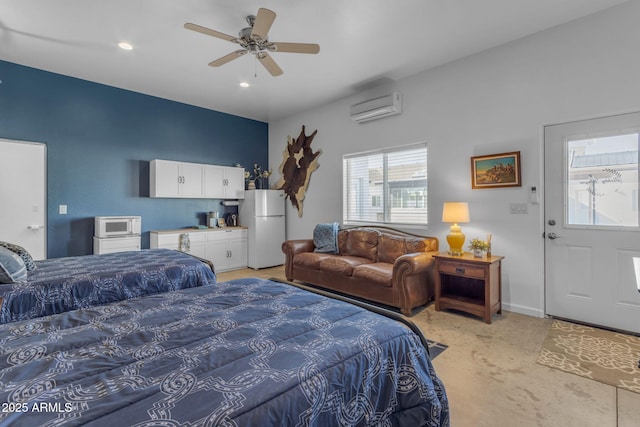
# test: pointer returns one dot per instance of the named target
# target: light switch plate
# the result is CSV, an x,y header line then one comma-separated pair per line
x,y
519,208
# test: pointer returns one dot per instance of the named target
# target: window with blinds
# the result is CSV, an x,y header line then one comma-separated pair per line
x,y
386,186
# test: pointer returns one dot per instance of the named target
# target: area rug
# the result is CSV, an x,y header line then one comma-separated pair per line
x,y
601,355
435,348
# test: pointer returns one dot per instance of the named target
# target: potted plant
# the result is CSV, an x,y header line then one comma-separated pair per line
x,y
479,247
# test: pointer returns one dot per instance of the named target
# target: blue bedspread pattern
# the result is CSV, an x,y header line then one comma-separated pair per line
x,y
249,352
63,284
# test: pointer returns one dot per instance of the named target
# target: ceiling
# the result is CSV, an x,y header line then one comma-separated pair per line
x,y
360,41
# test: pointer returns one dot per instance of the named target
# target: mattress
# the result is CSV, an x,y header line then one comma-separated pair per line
x,y
248,352
62,284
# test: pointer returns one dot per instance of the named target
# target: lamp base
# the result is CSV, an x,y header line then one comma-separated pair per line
x,y
456,240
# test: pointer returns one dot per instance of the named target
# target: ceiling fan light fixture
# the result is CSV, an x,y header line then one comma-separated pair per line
x,y
125,46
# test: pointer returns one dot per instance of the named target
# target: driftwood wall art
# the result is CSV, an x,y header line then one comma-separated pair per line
x,y
298,163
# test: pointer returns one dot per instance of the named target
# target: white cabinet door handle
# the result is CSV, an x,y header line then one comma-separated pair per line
x,y
35,227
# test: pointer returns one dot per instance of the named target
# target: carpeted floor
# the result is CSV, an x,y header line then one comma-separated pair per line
x,y
604,356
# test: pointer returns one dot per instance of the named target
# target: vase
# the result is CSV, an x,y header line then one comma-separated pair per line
x,y
252,185
478,253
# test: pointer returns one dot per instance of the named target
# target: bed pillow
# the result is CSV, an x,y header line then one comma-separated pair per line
x,y
12,268
22,253
325,238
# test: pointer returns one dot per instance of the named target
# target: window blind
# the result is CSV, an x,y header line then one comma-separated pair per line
x,y
386,186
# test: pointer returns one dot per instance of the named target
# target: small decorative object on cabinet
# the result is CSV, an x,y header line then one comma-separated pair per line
x,y
469,284
479,247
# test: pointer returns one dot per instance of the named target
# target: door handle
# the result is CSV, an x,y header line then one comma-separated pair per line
x,y
553,236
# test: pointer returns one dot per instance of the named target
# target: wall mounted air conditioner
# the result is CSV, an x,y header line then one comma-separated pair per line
x,y
377,108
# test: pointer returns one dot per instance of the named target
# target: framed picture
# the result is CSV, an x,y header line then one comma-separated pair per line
x,y
496,170
221,222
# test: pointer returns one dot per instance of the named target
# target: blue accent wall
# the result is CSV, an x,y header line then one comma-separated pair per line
x,y
100,140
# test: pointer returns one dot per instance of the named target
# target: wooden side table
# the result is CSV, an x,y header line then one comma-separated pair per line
x,y
469,284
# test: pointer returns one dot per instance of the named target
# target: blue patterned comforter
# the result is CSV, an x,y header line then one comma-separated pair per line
x,y
249,352
63,284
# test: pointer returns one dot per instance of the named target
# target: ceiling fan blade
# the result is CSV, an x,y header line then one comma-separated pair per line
x,y
227,58
204,30
296,47
262,24
268,63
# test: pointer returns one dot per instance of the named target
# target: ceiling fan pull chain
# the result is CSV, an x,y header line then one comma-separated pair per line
x,y
255,66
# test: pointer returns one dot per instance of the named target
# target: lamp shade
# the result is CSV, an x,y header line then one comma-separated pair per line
x,y
455,212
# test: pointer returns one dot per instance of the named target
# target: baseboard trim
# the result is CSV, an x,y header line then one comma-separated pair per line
x,y
521,309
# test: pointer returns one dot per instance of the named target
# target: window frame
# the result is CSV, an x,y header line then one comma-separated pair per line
x,y
385,202
567,141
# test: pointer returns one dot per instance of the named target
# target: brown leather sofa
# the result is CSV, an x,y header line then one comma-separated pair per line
x,y
374,263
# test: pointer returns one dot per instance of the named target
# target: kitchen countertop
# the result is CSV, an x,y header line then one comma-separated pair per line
x,y
196,230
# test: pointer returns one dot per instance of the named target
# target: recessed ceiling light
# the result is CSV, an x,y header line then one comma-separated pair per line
x,y
244,84
125,46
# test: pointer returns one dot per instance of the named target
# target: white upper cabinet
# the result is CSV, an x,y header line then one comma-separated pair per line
x,y
234,187
194,180
223,182
175,179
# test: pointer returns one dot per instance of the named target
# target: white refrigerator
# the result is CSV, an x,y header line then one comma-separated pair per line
x,y
262,212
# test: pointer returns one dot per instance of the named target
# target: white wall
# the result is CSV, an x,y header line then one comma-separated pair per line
x,y
492,102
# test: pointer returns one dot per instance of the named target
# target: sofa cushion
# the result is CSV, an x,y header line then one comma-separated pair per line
x,y
342,264
309,260
379,273
343,236
390,248
419,245
363,243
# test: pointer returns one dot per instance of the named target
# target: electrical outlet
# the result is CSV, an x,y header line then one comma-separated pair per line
x,y
62,209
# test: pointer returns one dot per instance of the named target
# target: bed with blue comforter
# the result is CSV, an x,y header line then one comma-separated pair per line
x,y
62,284
249,352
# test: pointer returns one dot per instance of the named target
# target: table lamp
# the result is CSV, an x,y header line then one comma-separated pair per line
x,y
455,212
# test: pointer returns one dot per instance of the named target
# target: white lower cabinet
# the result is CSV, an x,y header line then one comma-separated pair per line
x,y
229,250
110,245
226,248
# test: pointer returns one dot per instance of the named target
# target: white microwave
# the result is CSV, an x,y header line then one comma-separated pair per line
x,y
117,226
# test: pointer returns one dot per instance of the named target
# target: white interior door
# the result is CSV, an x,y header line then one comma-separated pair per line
x,y
23,196
592,227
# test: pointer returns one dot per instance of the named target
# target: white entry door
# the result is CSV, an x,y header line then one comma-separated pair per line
x,y
592,221
23,205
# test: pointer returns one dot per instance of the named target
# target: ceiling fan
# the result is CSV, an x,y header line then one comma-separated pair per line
x,y
253,39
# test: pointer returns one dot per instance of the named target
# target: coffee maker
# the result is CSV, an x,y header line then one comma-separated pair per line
x,y
232,220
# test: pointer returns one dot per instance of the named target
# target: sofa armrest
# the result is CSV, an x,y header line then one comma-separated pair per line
x,y
414,263
290,249
293,247
414,277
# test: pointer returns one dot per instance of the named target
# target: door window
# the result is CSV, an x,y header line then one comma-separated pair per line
x,y
602,181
